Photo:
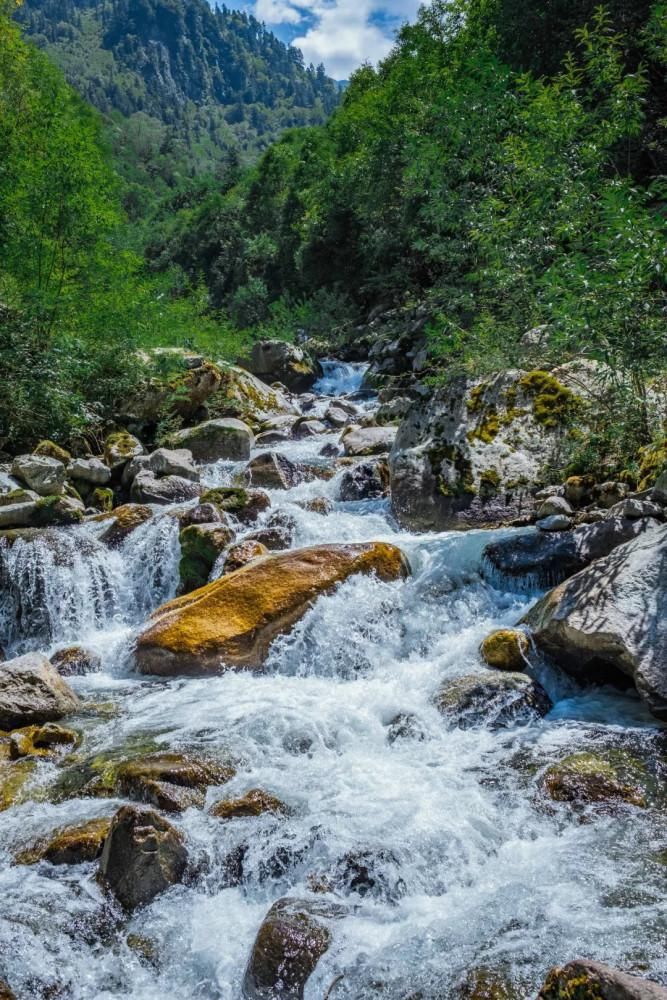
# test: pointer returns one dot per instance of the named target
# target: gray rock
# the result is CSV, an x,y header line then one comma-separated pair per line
x,y
271,437
493,699
308,428
554,522
89,470
226,438
273,471
554,505
32,691
362,441
635,509
143,855
659,491
593,979
612,617
121,447
18,515
393,410
607,495
366,481
46,476
337,416
147,488
274,360
163,462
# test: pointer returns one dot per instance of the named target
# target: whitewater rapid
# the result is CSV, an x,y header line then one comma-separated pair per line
x,y
473,869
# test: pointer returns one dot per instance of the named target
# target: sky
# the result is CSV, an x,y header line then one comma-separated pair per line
x,y
342,34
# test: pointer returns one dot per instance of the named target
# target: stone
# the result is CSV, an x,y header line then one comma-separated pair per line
x,y
243,504
611,619
497,700
607,495
18,496
659,490
170,780
308,428
337,416
243,553
57,511
277,532
18,515
635,509
119,448
554,505
393,410
122,522
182,388
366,481
254,803
46,476
143,856
89,470
277,361
48,740
578,490
147,488
71,845
271,437
555,522
32,691
15,780
273,471
203,513
584,979
102,499
163,462
488,984
545,559
201,545
224,438
317,505
293,937
231,622
588,778
247,397
6,993
76,661
360,442
506,649
50,449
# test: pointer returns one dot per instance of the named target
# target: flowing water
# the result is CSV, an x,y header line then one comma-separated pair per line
x,y
470,867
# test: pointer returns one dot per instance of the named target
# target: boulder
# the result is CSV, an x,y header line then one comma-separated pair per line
x,y
472,454
366,481
277,361
254,803
147,488
271,437
48,740
232,621
120,447
589,778
45,475
659,490
122,522
52,450
308,428
506,649
163,462
337,416
635,509
224,438
57,511
611,618
277,532
32,691
244,552
18,515
201,544
203,513
247,397
76,661
607,495
360,442
102,499
554,505
555,522
143,855
293,937
497,700
273,471
89,470
71,845
585,978
243,504
578,490
170,780
544,559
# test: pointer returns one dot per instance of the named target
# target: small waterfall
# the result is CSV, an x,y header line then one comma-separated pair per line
x,y
340,378
61,584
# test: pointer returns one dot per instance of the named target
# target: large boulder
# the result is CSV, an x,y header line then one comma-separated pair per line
x,y
186,385
245,396
45,475
148,488
360,442
291,940
32,691
545,559
276,361
273,471
163,462
496,700
143,855
586,979
232,621
225,438
612,617
89,470
473,453
366,481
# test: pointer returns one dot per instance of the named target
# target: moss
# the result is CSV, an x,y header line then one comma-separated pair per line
x,y
69,846
489,481
240,503
476,399
54,511
653,461
464,482
505,649
15,496
488,427
14,776
119,445
586,778
553,403
49,449
557,987
103,498
200,547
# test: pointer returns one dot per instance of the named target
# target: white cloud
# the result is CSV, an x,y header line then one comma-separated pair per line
x,y
277,12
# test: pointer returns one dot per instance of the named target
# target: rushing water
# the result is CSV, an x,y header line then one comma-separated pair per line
x,y
471,869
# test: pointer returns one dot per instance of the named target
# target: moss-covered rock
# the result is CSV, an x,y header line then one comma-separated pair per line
x,y
14,777
245,505
49,740
253,803
70,845
224,438
591,778
653,461
506,649
587,980
102,498
120,447
52,450
123,521
553,403
57,511
201,544
486,983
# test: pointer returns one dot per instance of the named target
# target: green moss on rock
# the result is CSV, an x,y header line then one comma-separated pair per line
x,y
553,403
49,449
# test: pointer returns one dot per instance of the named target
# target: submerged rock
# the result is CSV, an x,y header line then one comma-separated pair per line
x,y
71,845
32,691
497,700
273,471
506,649
584,979
277,532
611,618
587,778
253,803
143,855
245,505
14,776
232,621
277,361
224,438
75,661
41,741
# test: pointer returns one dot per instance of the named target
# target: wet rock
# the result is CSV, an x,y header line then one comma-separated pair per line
x,y
506,649
360,442
71,845
20,514
337,416
554,506
203,513
611,618
147,488
404,726
224,438
123,521
587,778
276,361
245,505
555,522
584,979
546,559
273,471
119,448
271,437
163,462
277,532
330,450
46,476
232,621
169,780
243,553
369,873
102,499
201,545
488,984
6,993
14,778
143,855
497,700
254,803
367,481
41,741
293,937
318,505
89,470
578,490
32,691
307,428
50,449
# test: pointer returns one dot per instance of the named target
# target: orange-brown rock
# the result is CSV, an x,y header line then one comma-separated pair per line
x,y
231,622
71,845
253,803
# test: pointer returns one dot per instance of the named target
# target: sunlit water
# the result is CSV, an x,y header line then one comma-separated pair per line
x,y
472,868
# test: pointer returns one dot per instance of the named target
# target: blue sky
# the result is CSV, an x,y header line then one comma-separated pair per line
x,y
339,33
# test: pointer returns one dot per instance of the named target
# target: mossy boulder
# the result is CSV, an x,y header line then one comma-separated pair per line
x,y
247,397
245,505
57,511
278,361
102,498
587,980
49,740
492,699
70,845
254,803
590,778
14,777
505,649
76,661
201,545
224,438
232,622
52,450
120,447
123,521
